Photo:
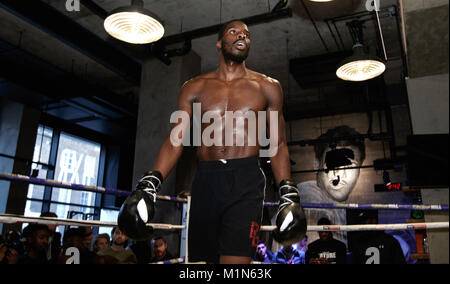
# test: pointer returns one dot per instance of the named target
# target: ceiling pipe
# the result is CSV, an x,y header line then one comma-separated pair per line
x,y
158,49
94,8
207,31
48,19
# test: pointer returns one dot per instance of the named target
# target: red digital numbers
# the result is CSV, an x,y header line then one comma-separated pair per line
x,y
394,186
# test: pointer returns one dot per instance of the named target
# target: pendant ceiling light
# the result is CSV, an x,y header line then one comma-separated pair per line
x,y
361,66
134,24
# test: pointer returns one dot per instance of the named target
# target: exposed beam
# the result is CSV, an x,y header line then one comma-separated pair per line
x,y
35,74
206,31
96,9
50,20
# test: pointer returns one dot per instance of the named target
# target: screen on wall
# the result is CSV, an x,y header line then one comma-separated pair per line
x,y
427,161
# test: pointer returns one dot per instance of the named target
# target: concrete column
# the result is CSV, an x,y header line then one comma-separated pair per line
x,y
160,86
18,127
426,26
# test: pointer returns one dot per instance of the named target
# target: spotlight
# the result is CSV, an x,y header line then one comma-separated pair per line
x,y
134,24
361,66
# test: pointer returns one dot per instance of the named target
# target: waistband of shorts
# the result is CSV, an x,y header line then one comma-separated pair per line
x,y
224,164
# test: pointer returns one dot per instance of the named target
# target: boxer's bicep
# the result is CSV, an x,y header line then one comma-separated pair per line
x,y
274,95
172,147
277,130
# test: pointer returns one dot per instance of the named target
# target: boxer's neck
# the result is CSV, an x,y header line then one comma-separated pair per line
x,y
229,70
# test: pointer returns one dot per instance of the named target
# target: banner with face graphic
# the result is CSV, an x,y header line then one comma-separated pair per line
x,y
336,167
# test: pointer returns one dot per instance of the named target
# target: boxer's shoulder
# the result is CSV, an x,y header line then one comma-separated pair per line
x,y
263,79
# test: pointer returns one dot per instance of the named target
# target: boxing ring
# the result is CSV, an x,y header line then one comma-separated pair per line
x,y
11,218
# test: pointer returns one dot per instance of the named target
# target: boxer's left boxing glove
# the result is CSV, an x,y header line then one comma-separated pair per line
x,y
290,217
139,207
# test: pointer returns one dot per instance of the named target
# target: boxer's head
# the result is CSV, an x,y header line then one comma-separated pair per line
x,y
234,41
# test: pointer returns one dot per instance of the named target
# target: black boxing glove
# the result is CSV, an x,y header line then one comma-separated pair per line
x,y
139,207
290,218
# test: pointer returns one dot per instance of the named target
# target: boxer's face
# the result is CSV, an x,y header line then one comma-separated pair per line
x,y
339,183
235,43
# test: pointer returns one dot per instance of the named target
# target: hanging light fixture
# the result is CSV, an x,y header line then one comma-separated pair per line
x,y
361,66
134,24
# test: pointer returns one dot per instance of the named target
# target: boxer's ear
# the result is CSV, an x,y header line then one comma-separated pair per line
x,y
219,45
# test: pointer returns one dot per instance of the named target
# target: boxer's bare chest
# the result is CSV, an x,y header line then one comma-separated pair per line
x,y
238,95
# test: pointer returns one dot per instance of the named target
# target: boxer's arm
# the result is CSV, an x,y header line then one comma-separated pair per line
x,y
169,154
280,161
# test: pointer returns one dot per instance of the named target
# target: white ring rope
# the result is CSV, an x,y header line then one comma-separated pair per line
x,y
170,261
378,227
10,218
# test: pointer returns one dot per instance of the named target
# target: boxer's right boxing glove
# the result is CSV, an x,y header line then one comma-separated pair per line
x,y
139,207
290,218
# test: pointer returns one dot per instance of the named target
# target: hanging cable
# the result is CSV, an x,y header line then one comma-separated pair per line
x,y
381,32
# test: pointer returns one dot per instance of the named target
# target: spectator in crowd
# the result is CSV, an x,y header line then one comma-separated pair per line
x,y
118,248
87,236
326,250
263,254
143,251
74,238
54,239
289,255
376,247
102,241
36,236
301,247
160,250
8,254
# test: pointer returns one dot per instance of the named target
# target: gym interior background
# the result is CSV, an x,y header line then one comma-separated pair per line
x,y
80,106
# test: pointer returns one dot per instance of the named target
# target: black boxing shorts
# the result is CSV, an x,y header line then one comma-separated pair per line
x,y
227,203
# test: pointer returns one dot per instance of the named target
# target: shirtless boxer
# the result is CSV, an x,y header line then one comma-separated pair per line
x,y
228,188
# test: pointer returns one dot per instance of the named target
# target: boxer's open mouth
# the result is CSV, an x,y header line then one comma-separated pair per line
x,y
240,44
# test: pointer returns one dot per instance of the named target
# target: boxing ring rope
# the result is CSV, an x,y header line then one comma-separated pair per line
x,y
170,261
421,207
378,227
11,218
99,189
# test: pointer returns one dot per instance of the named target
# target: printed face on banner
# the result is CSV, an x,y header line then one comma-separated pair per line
x,y
339,182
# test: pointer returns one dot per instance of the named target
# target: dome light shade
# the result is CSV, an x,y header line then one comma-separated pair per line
x,y
134,24
360,66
